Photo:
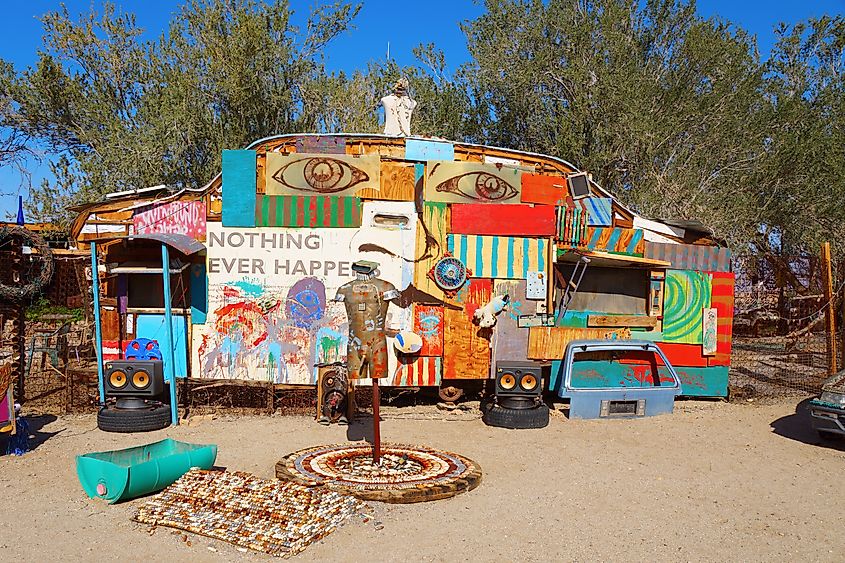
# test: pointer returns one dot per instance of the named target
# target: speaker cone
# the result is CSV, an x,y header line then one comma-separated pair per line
x,y
140,379
528,382
117,379
507,381
329,381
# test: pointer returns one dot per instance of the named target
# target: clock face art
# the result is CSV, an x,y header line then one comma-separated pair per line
x,y
450,274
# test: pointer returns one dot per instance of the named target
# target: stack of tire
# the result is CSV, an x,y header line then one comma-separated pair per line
x,y
515,412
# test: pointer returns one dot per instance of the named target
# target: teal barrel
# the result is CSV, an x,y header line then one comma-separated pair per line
x,y
119,475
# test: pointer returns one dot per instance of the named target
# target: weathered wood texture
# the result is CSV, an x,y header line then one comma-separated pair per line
x,y
549,343
722,299
397,183
428,323
470,182
510,343
491,219
418,371
431,246
621,320
307,211
499,256
466,346
690,256
550,190
323,144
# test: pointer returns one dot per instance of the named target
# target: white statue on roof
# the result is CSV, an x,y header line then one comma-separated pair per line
x,y
398,108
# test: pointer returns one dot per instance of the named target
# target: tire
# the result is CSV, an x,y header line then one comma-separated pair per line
x,y
503,417
133,420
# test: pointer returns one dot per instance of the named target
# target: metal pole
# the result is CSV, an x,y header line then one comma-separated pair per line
x,y
169,356
98,334
376,423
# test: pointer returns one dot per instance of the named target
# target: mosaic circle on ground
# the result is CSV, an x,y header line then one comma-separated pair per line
x,y
405,474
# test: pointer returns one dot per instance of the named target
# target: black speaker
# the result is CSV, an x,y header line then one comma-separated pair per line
x,y
133,378
519,379
333,401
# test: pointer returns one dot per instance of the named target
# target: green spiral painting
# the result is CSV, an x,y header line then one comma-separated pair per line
x,y
687,294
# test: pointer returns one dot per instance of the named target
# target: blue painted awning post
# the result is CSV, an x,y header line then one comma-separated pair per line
x,y
169,358
98,334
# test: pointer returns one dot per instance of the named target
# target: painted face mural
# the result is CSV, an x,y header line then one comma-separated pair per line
x,y
306,302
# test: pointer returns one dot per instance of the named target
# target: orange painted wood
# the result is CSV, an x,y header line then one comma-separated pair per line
x,y
688,355
549,343
722,299
550,190
466,353
428,323
507,220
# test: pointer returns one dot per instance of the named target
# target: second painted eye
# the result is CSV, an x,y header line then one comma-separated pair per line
x,y
479,186
322,175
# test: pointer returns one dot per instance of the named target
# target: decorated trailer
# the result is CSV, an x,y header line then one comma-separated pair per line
x,y
454,227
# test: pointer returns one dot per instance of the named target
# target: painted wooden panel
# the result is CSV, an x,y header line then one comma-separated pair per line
x,y
397,183
307,211
199,294
430,246
323,144
599,210
418,372
703,382
600,320
491,219
690,256
153,327
310,174
722,299
615,240
471,182
510,343
239,185
686,295
500,257
549,343
550,190
428,323
418,149
572,226
175,217
466,353
708,339
682,354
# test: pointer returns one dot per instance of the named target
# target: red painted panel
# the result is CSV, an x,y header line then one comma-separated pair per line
x,y
428,323
722,299
551,190
688,355
508,220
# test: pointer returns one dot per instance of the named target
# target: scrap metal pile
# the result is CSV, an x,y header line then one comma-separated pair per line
x,y
274,517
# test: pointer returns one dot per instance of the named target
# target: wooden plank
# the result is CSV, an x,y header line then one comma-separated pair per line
x,y
830,311
722,299
418,371
431,245
428,323
549,343
308,211
615,240
466,346
471,182
683,354
549,190
491,219
309,174
690,256
499,257
397,183
417,149
239,178
599,210
322,144
621,320
510,342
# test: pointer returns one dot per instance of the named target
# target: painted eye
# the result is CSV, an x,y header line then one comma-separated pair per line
x,y
479,186
320,174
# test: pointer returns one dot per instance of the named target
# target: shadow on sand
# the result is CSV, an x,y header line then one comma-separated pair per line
x,y
35,435
799,427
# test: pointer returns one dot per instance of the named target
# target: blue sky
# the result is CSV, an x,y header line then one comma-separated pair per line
x,y
402,24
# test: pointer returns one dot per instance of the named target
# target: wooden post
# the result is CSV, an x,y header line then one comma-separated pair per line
x,y
830,311
376,423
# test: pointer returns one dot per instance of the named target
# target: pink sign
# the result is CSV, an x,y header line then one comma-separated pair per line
x,y
176,217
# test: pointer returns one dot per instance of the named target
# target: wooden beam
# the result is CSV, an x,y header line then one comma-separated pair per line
x,y
829,313
621,320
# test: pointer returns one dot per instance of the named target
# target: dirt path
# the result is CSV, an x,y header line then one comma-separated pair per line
x,y
714,481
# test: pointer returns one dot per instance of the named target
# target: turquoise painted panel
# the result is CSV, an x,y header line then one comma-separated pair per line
x,y
703,382
599,211
418,149
152,327
574,319
199,294
239,185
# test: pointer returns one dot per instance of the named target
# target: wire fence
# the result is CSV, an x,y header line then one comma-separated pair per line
x,y
780,339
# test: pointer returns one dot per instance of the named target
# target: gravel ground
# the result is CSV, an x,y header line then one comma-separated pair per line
x,y
714,481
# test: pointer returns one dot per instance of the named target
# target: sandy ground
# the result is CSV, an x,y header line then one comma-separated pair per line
x,y
714,481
